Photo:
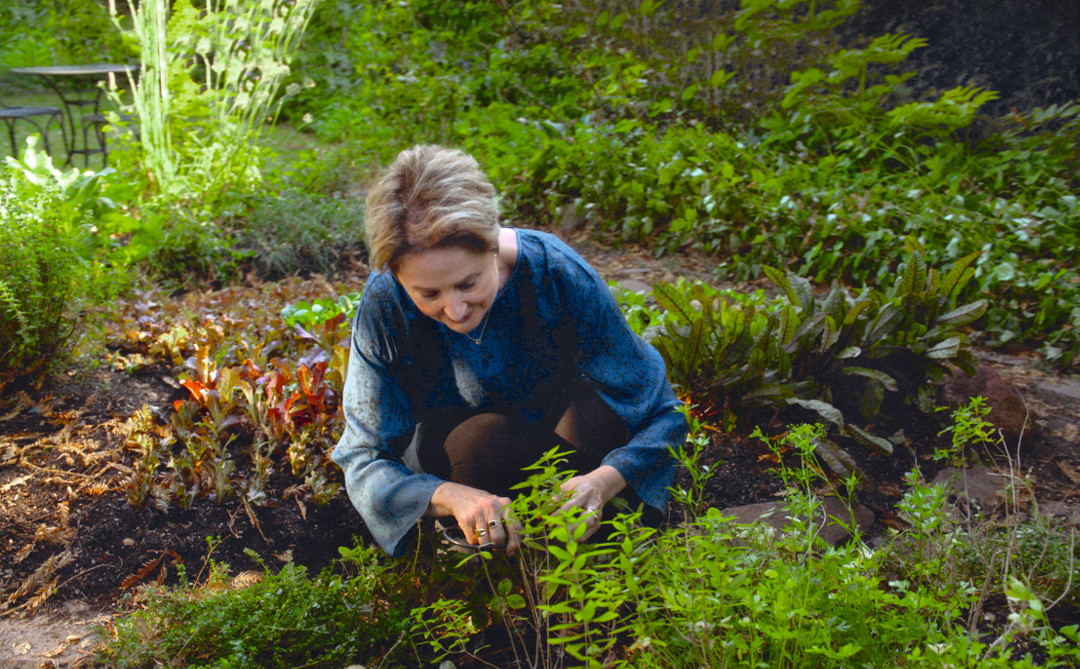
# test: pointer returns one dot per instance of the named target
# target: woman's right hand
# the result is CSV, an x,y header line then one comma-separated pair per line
x,y
481,516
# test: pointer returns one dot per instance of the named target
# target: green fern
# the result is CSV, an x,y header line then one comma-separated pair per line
x,y
43,276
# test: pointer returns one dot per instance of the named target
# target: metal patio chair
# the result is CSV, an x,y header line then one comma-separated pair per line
x,y
39,117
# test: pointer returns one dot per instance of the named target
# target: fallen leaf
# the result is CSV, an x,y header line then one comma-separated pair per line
x,y
14,482
1069,472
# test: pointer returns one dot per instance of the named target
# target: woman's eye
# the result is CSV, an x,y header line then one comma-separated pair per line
x,y
466,286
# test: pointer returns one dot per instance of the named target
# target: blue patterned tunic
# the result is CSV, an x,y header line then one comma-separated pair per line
x,y
552,321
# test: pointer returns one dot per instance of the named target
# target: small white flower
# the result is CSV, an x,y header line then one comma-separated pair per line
x,y
308,118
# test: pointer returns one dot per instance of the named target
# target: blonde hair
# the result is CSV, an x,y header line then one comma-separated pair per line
x,y
430,197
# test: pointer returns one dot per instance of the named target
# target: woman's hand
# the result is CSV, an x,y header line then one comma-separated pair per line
x,y
591,492
480,515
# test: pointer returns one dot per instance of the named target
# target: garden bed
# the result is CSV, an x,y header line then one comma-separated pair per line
x,y
70,535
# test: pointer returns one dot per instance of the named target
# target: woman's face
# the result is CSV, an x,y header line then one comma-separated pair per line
x,y
453,285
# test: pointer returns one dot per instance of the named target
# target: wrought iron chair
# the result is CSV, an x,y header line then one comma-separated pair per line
x,y
96,124
39,117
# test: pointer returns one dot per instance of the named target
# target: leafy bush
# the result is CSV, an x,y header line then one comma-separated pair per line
x,y
712,593
961,542
707,592
45,237
836,355
757,137
78,31
292,232
264,619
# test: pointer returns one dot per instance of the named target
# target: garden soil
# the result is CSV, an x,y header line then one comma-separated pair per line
x,y
73,551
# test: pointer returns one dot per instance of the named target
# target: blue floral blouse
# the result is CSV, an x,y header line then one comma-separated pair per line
x,y
552,321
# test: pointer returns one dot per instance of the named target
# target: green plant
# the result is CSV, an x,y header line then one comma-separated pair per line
x,y
266,619
79,31
968,431
542,598
712,593
209,78
323,312
1023,560
44,242
292,232
835,355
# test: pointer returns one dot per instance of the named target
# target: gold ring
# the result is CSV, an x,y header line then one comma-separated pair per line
x,y
480,532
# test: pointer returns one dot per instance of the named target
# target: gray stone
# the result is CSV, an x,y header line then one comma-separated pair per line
x,y
1069,390
635,285
571,220
833,517
979,484
1069,513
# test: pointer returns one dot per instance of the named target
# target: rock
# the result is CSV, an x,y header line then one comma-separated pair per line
x,y
837,512
1008,410
635,285
1069,513
979,484
572,219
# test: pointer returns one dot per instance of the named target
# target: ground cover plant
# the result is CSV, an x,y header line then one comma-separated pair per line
x,y
706,592
766,140
878,243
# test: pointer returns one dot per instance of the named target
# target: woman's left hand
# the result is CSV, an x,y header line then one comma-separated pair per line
x,y
591,492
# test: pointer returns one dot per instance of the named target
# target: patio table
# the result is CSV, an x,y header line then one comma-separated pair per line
x,y
82,104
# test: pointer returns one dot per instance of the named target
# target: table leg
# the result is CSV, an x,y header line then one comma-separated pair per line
x,y
71,136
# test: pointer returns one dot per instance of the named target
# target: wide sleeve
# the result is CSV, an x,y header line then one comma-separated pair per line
x,y
389,496
629,374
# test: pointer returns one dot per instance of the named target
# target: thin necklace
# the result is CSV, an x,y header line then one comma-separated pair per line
x,y
483,329
480,339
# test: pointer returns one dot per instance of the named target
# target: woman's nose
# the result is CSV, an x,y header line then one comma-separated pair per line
x,y
455,308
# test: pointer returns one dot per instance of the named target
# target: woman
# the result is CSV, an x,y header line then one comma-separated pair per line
x,y
476,349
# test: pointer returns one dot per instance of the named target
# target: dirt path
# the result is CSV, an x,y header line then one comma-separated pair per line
x,y
61,638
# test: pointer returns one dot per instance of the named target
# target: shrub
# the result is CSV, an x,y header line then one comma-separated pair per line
x,y
836,355
293,232
76,31
43,275
262,619
714,593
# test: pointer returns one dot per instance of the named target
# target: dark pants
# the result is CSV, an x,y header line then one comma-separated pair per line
x,y
489,450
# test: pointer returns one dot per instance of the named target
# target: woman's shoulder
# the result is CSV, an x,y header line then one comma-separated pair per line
x,y
382,300
379,289
545,248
